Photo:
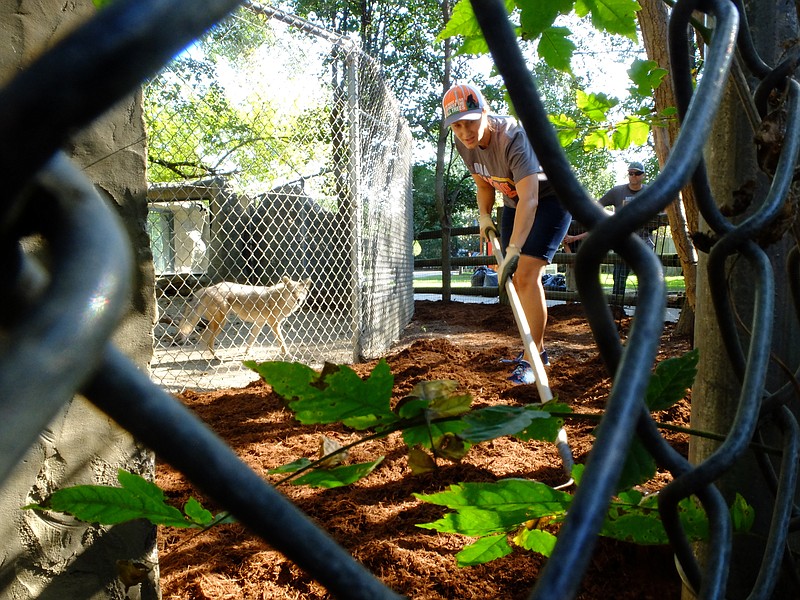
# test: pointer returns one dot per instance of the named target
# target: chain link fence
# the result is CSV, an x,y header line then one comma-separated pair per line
x,y
58,328
758,409
278,160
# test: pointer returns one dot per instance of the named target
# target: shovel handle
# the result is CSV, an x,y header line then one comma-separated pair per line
x,y
542,385
524,328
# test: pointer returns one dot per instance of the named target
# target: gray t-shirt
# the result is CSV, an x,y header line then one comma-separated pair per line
x,y
508,159
618,196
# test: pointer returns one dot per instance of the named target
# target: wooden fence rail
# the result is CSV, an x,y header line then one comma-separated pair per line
x,y
560,258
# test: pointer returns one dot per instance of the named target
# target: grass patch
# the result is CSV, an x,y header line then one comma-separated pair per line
x,y
675,283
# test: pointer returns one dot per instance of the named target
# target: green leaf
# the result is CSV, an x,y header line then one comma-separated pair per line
x,y
496,421
450,406
288,379
138,499
638,528
428,435
484,550
631,131
537,17
451,447
594,106
462,22
646,76
337,394
291,467
671,379
537,540
566,129
693,519
545,429
503,495
199,515
596,140
477,522
612,16
475,46
630,497
411,407
420,461
556,49
742,515
338,476
639,466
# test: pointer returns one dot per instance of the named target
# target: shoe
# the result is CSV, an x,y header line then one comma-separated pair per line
x,y
513,361
518,359
522,373
545,360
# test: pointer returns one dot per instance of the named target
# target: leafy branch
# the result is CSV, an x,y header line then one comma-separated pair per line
x,y
526,513
436,422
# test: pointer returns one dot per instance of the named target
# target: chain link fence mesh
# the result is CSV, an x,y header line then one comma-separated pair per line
x,y
275,151
47,328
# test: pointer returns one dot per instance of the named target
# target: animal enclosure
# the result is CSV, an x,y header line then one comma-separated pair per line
x,y
286,158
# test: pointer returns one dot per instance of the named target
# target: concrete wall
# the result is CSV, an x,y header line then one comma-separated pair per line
x,y
46,555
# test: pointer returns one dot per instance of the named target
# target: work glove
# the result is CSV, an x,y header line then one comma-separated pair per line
x,y
506,270
485,224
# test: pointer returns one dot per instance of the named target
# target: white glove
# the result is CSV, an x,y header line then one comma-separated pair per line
x,y
485,224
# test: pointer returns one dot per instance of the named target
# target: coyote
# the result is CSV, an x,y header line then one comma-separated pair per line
x,y
257,304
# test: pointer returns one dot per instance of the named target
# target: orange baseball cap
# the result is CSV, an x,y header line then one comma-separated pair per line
x,y
462,102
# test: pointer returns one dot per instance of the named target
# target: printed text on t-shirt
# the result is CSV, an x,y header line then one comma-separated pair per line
x,y
502,184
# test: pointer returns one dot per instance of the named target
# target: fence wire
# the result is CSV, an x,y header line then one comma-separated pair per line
x,y
59,202
626,414
289,159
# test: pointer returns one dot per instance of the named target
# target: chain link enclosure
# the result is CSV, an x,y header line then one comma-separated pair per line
x,y
71,84
276,150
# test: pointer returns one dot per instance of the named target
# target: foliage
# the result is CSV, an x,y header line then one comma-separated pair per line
x,y
526,513
463,198
198,127
401,36
437,422
137,498
537,22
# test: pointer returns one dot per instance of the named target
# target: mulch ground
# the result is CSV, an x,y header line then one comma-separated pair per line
x,y
376,518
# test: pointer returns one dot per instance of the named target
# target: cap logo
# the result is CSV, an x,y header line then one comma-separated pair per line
x,y
460,99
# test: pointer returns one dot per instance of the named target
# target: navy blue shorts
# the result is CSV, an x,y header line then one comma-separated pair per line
x,y
549,228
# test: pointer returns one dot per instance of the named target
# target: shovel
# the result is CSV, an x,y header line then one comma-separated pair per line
x,y
539,373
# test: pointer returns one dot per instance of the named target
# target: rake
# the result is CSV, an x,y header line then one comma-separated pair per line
x,y
542,385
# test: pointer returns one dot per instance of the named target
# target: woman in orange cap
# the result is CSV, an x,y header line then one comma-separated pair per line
x,y
500,158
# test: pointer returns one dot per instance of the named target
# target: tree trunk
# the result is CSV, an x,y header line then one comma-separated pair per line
x,y
682,213
731,163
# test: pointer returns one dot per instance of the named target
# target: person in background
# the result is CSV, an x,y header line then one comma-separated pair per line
x,y
617,197
499,156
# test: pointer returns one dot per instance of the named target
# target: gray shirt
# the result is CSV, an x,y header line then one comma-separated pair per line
x,y
508,159
618,196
